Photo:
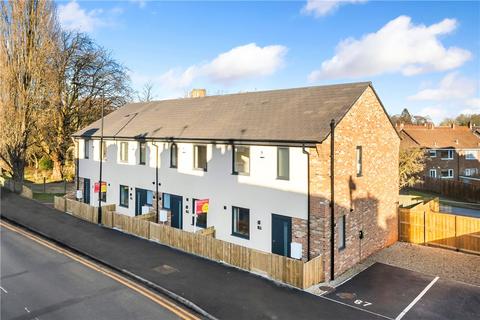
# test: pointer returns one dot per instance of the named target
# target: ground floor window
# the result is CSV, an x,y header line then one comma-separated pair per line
x,y
241,222
341,233
447,173
124,196
433,173
166,201
201,217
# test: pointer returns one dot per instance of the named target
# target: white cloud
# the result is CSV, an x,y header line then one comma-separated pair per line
x,y
321,8
399,46
74,17
473,106
239,63
437,113
451,87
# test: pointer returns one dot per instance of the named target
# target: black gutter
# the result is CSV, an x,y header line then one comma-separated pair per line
x,y
308,202
156,180
332,200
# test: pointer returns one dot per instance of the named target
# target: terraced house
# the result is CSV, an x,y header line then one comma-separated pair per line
x,y
266,164
451,152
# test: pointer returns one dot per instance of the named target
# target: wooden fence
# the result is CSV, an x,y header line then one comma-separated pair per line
x,y
79,209
15,186
451,188
422,223
287,270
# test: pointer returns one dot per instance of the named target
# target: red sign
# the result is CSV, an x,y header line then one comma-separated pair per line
x,y
201,206
104,187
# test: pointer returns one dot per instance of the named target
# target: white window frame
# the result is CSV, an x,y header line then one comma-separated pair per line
x,y
432,153
450,154
195,157
434,171
471,154
468,172
451,174
122,145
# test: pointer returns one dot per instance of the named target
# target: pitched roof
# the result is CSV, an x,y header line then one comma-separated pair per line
x,y
289,115
458,137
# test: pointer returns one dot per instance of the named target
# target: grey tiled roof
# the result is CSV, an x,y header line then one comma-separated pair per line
x,y
290,115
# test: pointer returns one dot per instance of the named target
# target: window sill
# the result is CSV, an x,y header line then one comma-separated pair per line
x,y
446,158
240,174
283,178
239,235
123,206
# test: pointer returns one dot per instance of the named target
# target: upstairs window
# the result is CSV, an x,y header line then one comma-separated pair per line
x,y
174,156
200,157
432,153
103,150
86,149
124,151
470,155
123,196
241,160
142,146
359,160
446,154
283,163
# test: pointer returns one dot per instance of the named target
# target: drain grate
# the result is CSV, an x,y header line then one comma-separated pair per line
x,y
165,269
346,295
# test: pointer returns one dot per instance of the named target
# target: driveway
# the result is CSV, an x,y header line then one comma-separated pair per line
x,y
398,293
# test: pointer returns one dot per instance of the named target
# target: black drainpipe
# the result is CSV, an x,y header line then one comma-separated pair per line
x,y
308,202
332,200
156,180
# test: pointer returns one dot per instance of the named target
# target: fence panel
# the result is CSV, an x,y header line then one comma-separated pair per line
x,y
313,272
468,234
451,188
440,229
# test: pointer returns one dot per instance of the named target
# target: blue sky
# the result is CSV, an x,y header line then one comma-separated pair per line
x,y
420,55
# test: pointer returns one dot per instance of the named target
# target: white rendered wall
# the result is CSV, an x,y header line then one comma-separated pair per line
x,y
261,191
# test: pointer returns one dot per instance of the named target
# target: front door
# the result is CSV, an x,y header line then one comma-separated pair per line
x,y
86,190
281,234
140,200
176,210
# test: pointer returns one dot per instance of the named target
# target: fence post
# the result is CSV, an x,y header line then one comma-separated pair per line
x,y
456,239
44,186
424,228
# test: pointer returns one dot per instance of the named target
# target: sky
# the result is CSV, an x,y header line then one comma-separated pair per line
x,y
420,55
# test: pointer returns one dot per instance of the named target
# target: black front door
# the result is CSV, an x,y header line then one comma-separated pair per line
x,y
281,234
86,190
177,211
140,200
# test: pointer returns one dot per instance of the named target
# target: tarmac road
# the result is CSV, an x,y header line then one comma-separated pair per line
x,y
40,283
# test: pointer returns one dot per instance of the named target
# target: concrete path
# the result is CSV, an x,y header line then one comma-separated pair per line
x,y
40,283
222,291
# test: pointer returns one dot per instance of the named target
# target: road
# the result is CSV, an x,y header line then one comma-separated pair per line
x,y
42,281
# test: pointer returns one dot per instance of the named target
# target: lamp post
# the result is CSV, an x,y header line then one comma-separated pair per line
x,y
102,105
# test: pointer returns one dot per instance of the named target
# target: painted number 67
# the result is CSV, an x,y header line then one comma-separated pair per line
x,y
362,303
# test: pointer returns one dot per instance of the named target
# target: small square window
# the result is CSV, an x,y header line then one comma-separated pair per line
x,y
470,155
200,157
241,222
433,173
432,153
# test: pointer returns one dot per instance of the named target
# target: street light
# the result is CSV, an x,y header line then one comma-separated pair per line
x,y
101,151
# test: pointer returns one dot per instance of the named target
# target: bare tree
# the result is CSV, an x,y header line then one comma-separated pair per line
x,y
27,32
146,93
85,76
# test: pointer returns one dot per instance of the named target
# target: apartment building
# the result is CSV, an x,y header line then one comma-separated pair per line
x,y
269,164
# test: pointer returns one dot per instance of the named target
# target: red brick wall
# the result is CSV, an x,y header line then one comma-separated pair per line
x,y
369,202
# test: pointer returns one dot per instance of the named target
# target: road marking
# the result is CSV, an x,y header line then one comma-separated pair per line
x,y
357,308
26,309
1,288
184,314
400,316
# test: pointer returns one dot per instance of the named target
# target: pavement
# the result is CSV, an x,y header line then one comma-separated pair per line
x,y
40,283
221,291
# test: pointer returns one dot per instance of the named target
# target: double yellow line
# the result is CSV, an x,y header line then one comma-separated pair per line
x,y
183,314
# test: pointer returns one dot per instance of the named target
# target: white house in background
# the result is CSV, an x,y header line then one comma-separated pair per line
x,y
262,160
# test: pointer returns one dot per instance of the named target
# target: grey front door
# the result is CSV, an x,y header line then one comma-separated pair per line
x,y
140,200
281,234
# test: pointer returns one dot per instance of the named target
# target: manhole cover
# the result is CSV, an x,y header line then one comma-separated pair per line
x,y
165,269
346,295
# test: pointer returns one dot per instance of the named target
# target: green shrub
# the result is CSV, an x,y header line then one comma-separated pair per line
x,y
45,163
